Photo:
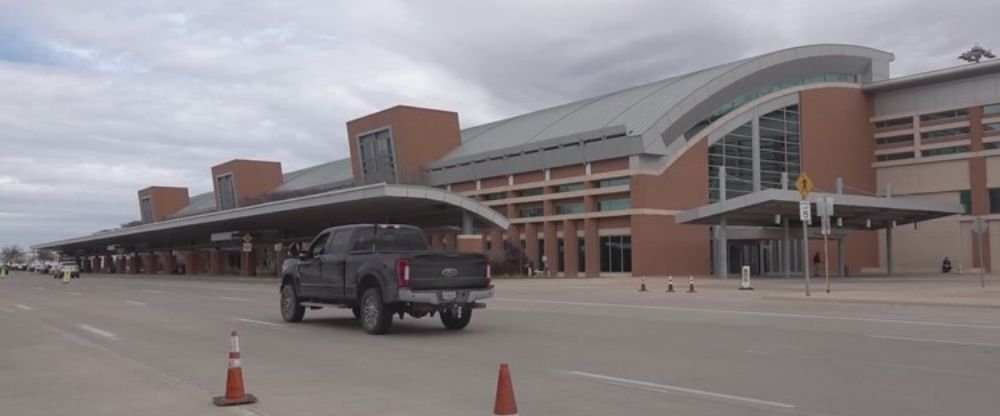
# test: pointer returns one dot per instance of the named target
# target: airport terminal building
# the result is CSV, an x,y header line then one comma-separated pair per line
x,y
692,174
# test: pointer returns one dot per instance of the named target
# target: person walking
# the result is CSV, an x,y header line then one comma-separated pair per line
x,y
816,261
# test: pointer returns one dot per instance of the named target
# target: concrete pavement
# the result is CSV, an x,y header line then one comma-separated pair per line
x,y
576,347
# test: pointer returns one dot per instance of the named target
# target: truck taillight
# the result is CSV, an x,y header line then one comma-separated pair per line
x,y
489,274
403,272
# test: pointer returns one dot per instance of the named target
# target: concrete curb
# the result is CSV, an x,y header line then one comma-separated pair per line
x,y
883,302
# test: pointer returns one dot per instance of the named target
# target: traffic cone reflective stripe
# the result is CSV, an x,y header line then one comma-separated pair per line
x,y
235,392
670,284
505,404
642,287
690,284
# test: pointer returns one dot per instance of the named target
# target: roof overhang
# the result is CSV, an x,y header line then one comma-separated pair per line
x,y
858,211
380,203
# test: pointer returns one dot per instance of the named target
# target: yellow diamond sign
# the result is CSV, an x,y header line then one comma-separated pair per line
x,y
247,238
804,185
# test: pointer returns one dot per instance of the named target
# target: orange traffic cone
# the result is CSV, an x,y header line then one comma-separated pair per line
x,y
505,404
234,378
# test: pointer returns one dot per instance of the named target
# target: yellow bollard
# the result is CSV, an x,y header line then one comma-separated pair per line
x,y
66,276
3,272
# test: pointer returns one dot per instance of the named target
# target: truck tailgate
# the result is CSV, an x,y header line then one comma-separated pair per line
x,y
430,271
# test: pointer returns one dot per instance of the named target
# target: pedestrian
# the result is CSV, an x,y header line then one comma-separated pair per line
x,y
816,261
530,269
946,265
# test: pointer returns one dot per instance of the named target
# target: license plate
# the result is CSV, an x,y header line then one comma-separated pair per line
x,y
448,295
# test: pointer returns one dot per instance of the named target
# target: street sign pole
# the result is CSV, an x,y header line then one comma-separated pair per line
x,y
982,264
805,186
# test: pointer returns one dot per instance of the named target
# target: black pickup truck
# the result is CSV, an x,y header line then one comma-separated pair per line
x,y
380,270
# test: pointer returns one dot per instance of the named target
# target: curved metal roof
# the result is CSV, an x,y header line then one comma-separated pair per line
x,y
658,110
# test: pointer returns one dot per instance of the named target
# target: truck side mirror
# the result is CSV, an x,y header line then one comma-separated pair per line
x,y
303,255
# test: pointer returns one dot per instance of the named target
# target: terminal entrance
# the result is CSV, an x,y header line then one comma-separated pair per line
x,y
765,257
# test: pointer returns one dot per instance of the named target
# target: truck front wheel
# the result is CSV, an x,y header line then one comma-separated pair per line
x,y
376,318
291,309
457,318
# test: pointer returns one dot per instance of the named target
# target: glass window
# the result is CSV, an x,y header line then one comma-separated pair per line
x,y
365,240
607,183
377,161
995,201
526,212
495,196
614,204
991,145
399,239
616,254
991,128
530,192
965,198
945,151
931,136
944,115
908,138
227,195
569,208
340,240
146,209
561,248
570,187
991,109
894,122
318,246
894,156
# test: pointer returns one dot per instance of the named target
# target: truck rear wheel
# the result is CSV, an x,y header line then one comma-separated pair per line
x,y
456,319
291,309
376,318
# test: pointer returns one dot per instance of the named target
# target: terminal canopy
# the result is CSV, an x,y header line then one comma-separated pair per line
x,y
857,211
305,216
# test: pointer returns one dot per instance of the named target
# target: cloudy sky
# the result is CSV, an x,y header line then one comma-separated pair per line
x,y
98,102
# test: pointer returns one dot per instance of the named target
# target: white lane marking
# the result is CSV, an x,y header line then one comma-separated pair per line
x,y
6,310
676,389
25,307
936,341
75,293
98,331
152,291
39,288
136,303
751,313
254,321
235,299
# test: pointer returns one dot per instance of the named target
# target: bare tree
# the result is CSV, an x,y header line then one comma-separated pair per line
x,y
976,54
11,254
45,255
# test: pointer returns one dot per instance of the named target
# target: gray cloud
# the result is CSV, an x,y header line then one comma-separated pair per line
x,y
100,102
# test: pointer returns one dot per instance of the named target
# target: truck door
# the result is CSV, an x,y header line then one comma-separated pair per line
x,y
310,269
333,264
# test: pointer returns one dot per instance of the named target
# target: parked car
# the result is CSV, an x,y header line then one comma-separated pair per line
x,y
380,270
67,266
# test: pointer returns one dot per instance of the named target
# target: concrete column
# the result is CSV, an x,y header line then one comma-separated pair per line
x,y
169,261
148,263
592,247
120,264
466,223
216,262
531,244
470,243
572,253
248,263
841,263
551,249
786,244
888,250
107,263
721,251
89,265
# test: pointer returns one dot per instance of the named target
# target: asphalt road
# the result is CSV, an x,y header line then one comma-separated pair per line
x,y
117,346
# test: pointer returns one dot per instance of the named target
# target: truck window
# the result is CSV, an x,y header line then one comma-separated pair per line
x,y
338,244
316,249
399,239
364,240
